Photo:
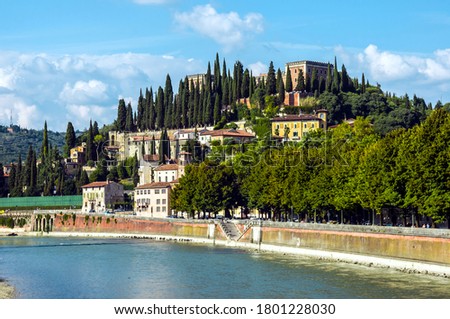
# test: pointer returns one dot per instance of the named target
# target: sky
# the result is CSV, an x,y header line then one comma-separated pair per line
x,y
73,60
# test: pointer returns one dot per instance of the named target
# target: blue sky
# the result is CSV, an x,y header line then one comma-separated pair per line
x,y
72,60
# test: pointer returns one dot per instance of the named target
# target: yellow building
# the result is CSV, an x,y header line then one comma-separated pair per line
x,y
294,127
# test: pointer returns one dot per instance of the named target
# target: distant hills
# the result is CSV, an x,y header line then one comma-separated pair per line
x,y
15,140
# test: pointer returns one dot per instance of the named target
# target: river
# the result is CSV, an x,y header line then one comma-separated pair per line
x,y
40,267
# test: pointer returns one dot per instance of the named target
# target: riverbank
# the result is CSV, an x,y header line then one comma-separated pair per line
x,y
403,265
6,291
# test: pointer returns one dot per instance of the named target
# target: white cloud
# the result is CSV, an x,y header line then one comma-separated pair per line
x,y
258,68
23,114
82,92
48,87
227,29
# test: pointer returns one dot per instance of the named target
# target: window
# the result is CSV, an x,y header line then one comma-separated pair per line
x,y
305,125
166,179
312,125
295,134
158,201
163,191
164,208
295,125
164,202
158,209
156,191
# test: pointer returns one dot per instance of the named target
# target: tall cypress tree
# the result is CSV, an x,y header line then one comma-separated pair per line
x,y
151,121
168,102
217,110
90,149
129,118
314,81
271,85
185,111
44,149
160,112
288,85
363,84
245,88
140,112
280,87
70,139
121,115
300,82
329,78
345,86
335,86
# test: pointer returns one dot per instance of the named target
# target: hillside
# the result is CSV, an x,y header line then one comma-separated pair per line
x,y
13,144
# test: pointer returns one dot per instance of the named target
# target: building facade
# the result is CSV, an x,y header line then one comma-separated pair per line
x,y
100,196
153,200
294,127
307,67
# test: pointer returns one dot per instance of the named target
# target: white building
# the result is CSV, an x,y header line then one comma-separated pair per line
x,y
166,173
153,200
99,196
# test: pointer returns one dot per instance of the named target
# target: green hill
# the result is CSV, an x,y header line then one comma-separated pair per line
x,y
17,142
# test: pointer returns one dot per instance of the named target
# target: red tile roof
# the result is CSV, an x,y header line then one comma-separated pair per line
x,y
154,185
167,167
228,133
96,184
290,118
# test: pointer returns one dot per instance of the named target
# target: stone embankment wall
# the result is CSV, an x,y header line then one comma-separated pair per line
x,y
131,225
429,245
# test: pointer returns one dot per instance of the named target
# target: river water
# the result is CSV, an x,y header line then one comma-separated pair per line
x,y
129,268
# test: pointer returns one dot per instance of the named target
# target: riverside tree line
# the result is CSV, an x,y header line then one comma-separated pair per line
x,y
350,170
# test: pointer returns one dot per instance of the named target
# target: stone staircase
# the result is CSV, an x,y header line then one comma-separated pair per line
x,y
230,230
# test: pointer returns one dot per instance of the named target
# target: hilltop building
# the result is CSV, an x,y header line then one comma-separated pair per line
x,y
294,127
307,67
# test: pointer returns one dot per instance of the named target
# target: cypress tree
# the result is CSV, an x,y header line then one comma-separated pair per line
x,y
363,84
70,139
129,118
151,121
121,116
160,109
300,82
335,86
140,121
307,83
95,130
168,102
153,146
314,81
90,150
280,87
328,79
271,86
193,105
12,180
245,88
217,114
345,86
185,111
44,149
288,80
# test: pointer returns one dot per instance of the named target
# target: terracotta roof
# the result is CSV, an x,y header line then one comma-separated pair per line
x,y
167,167
144,137
154,185
96,184
228,132
151,158
290,118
